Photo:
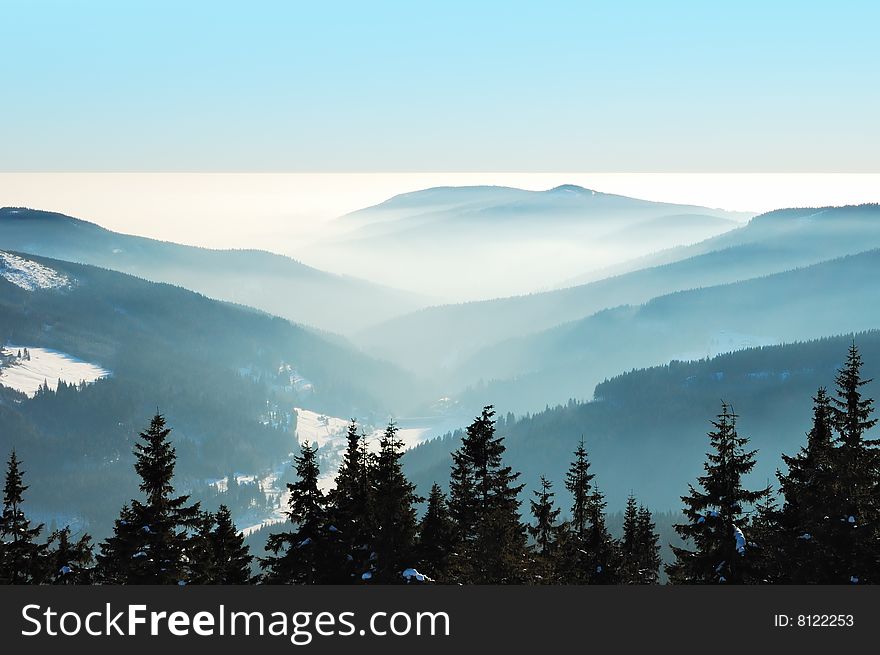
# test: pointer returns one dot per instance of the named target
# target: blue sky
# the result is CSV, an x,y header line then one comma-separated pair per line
x,y
446,86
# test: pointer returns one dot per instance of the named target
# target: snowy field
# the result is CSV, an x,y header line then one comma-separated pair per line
x,y
44,365
30,275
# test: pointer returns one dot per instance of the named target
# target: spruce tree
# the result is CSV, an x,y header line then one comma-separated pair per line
x,y
798,539
855,532
230,555
602,558
649,547
578,481
351,504
586,551
630,547
485,506
436,536
22,559
395,515
716,512
69,561
151,538
302,555
546,532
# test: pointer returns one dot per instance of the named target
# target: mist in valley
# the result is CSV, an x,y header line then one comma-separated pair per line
x,y
424,306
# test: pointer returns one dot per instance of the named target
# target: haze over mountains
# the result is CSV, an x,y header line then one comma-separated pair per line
x,y
467,243
274,283
649,284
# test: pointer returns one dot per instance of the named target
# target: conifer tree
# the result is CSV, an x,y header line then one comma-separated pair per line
x,y
602,558
151,538
855,532
546,531
230,555
69,561
629,544
436,539
769,545
717,512
22,559
303,555
351,504
578,481
201,567
587,552
395,515
649,547
798,537
485,506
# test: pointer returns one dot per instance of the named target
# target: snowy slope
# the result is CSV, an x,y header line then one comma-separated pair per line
x,y
30,275
329,433
45,365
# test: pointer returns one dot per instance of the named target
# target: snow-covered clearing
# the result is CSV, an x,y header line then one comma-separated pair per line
x,y
30,275
44,365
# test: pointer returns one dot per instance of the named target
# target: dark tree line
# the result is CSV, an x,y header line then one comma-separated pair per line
x,y
823,525
366,530
826,529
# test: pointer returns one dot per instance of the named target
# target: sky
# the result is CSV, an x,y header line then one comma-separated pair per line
x,y
367,87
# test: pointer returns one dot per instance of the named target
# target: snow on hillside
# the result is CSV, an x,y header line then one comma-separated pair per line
x,y
329,433
27,374
30,275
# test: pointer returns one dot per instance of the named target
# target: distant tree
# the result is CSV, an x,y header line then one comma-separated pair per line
x,y
716,513
436,539
22,559
485,506
151,538
302,555
546,531
395,515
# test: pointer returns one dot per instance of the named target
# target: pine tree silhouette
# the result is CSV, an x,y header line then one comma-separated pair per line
x,y
151,538
798,539
717,512
485,507
21,557
855,530
303,555
395,515
436,538
69,562
546,532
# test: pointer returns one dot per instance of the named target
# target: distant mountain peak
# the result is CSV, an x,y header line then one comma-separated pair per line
x,y
572,188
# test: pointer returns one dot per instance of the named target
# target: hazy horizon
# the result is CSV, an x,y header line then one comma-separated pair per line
x,y
285,212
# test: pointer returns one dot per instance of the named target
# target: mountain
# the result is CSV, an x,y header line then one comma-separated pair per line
x,y
273,283
228,378
646,430
832,297
465,243
440,338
